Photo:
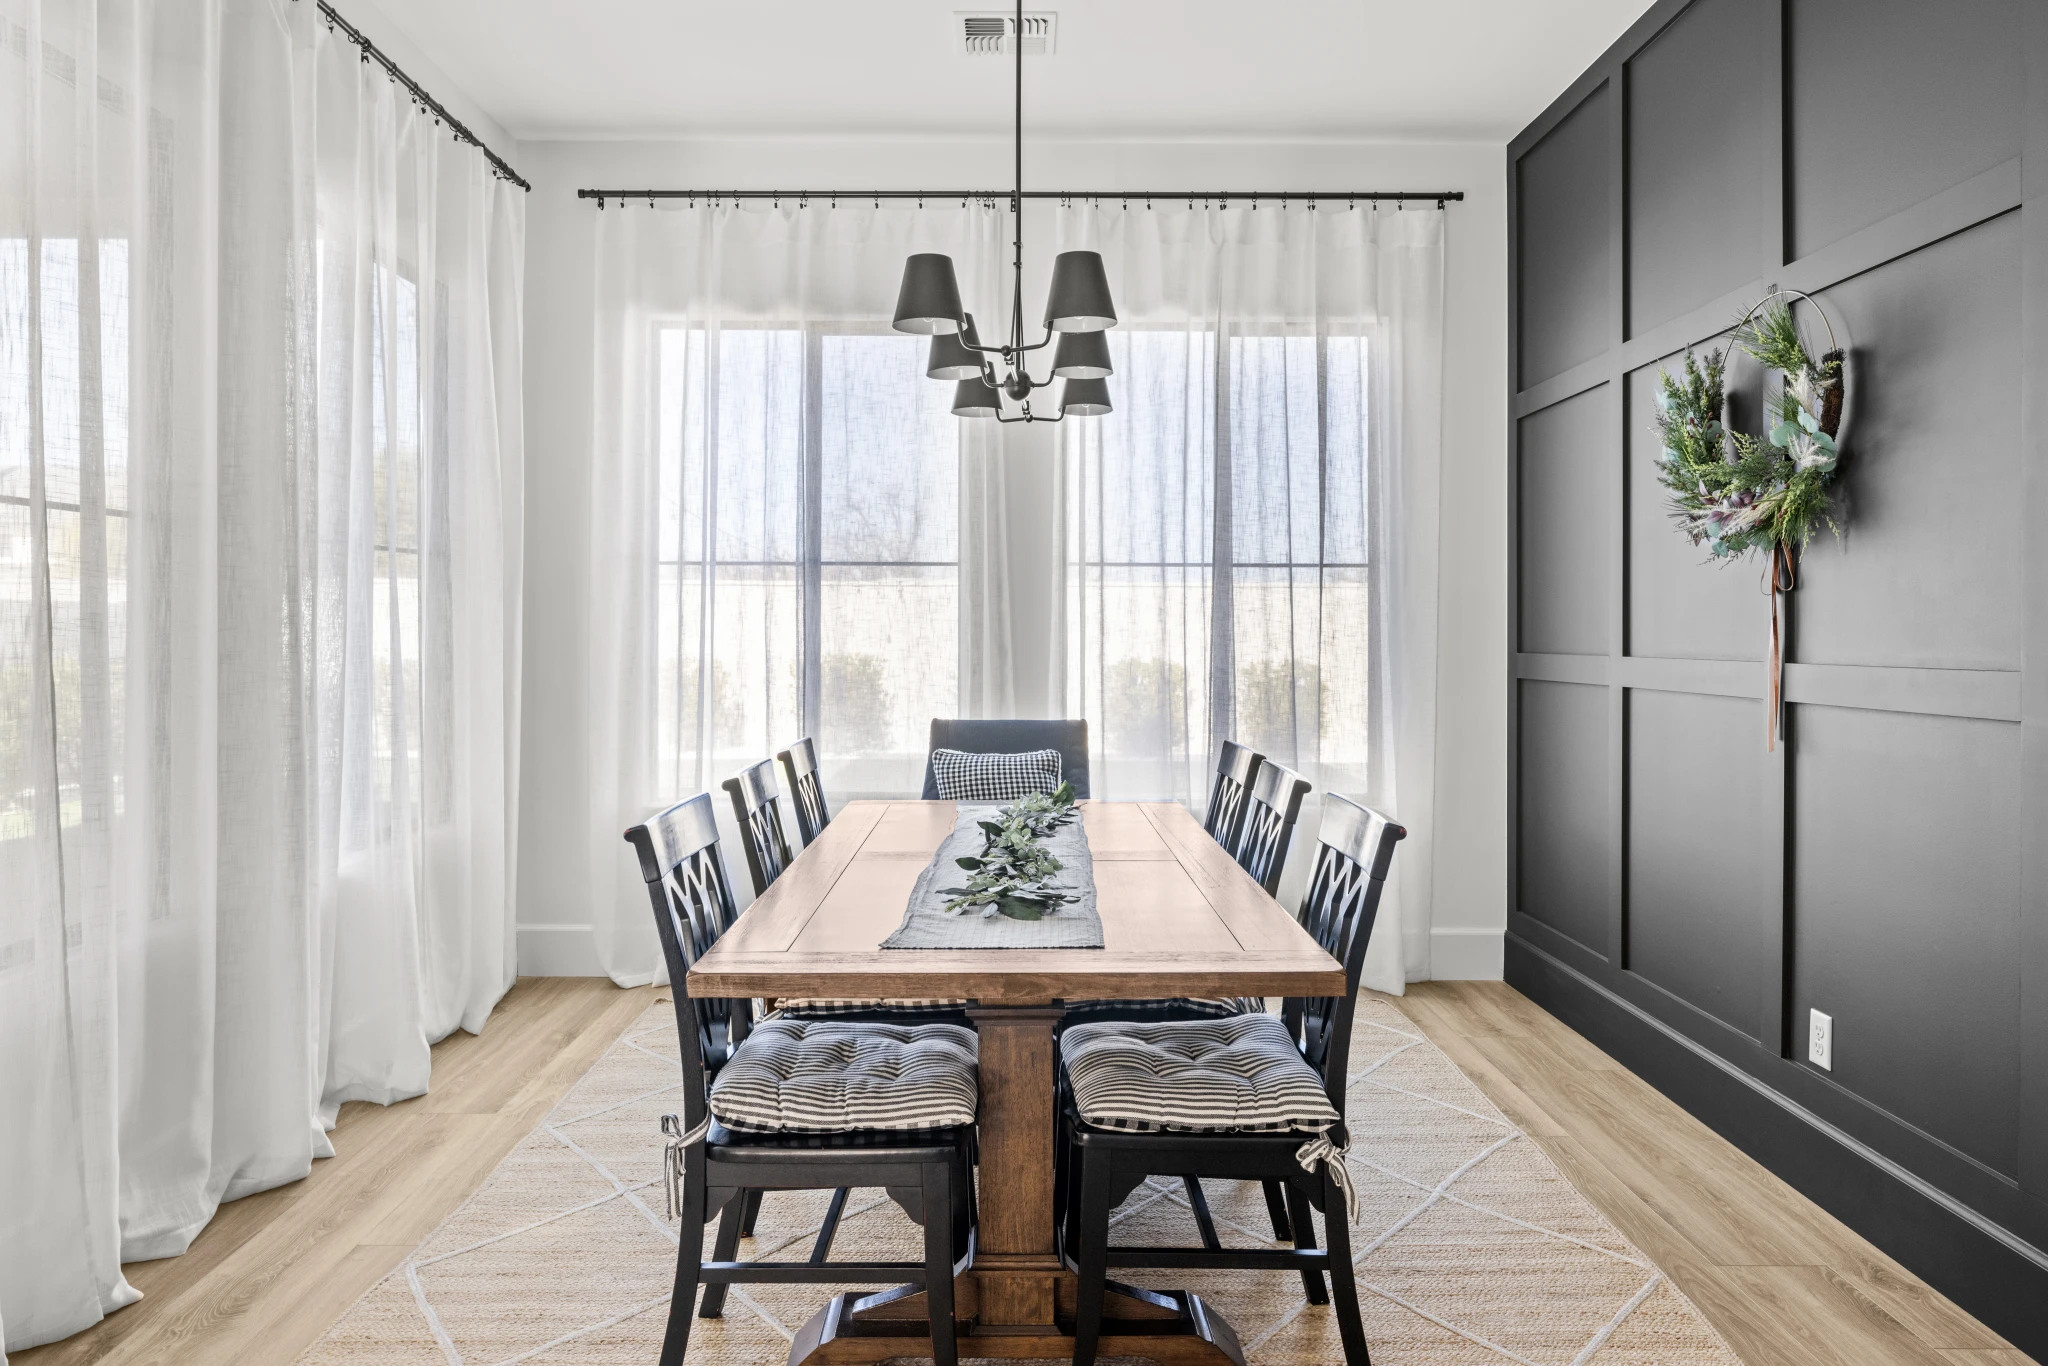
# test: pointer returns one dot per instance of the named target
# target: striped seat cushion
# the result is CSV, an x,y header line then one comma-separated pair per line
x,y
952,1011
1240,1075
827,1076
964,777
722,1137
1134,1011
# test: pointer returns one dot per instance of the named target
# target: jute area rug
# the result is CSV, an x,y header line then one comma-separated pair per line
x,y
1471,1247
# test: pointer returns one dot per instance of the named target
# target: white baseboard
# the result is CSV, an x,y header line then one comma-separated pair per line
x,y
558,951
1457,955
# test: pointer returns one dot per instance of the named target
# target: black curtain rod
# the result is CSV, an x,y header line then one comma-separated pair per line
x,y
373,53
804,196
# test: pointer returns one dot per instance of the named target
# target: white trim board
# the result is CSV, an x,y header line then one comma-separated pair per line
x,y
1466,955
558,951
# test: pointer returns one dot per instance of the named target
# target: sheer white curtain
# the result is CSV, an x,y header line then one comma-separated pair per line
x,y
791,534
260,474
1250,537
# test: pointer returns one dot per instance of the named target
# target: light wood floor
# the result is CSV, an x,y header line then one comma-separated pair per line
x,y
1782,1280
272,1272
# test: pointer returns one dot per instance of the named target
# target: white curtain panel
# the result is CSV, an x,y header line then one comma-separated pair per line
x,y
1250,540
260,475
791,534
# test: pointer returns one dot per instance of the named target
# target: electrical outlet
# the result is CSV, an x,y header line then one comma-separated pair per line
x,y
1820,1041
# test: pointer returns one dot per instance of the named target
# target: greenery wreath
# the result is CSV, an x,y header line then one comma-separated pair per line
x,y
1734,492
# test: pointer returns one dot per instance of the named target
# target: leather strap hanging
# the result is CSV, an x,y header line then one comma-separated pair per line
x,y
1780,576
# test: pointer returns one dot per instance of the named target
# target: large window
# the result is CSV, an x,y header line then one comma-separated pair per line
x,y
809,553
1217,576
76,411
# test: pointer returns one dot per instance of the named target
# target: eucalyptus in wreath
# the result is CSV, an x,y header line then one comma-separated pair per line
x,y
1013,873
1734,492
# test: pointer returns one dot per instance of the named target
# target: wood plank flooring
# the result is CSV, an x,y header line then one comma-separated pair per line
x,y
1785,1283
273,1271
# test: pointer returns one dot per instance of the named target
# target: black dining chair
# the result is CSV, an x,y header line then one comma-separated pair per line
x,y
756,806
806,794
1229,793
1070,738
1124,1118
1273,806
715,1170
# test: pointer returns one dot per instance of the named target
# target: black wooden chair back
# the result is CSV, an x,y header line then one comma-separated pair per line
x,y
806,793
757,806
1230,792
693,906
1354,851
1268,824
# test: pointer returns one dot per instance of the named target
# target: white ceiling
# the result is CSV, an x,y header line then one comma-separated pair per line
x,y
1195,69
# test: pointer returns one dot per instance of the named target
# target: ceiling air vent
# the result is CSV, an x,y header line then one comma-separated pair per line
x,y
989,33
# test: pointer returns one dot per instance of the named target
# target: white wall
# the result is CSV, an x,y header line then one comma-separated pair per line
x,y
374,24
1470,822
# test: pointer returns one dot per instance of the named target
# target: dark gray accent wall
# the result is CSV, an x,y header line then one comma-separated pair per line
x,y
1677,890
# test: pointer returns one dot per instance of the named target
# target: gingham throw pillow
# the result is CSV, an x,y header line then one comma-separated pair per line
x,y
964,777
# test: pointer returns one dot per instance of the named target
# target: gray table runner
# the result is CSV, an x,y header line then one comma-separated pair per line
x,y
928,925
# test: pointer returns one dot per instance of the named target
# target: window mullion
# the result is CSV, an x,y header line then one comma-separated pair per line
x,y
810,591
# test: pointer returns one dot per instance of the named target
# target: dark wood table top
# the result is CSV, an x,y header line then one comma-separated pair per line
x,y
1179,918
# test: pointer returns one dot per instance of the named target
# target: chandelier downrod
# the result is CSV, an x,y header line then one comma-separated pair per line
x,y
1079,305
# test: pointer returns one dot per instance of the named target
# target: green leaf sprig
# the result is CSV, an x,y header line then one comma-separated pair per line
x,y
1012,874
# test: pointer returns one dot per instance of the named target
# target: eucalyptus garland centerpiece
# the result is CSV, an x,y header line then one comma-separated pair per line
x,y
1013,873
1734,492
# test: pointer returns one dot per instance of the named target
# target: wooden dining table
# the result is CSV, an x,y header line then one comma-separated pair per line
x,y
1179,918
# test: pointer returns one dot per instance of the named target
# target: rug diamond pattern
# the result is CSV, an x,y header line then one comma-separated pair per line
x,y
1471,1248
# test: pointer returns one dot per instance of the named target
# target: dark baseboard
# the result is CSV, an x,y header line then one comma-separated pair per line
x,y
2004,1289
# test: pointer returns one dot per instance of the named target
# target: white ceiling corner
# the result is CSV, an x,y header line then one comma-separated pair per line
x,y
1125,69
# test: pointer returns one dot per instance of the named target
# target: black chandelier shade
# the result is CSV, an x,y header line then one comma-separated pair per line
x,y
952,356
974,398
1080,299
1082,355
1085,397
929,301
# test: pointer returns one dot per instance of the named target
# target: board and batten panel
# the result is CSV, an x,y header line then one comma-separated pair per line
x,y
1681,605
1565,820
1673,880
1562,264
1695,153
1927,574
1890,101
1695,879
1565,452
1906,912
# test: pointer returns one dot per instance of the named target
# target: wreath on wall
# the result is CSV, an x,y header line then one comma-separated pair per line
x,y
1734,492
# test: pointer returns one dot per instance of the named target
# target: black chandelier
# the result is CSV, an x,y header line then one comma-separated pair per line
x,y
1077,312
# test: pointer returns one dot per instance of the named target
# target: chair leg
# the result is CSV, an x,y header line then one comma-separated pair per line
x,y
689,1267
1204,1221
1276,1210
1344,1284
753,1199
1093,1266
1303,1220
829,1229
938,1263
725,1248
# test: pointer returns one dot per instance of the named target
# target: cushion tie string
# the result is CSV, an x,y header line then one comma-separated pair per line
x,y
672,1158
1321,1149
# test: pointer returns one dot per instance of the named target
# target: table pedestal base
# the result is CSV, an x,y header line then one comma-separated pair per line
x,y
1174,1329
